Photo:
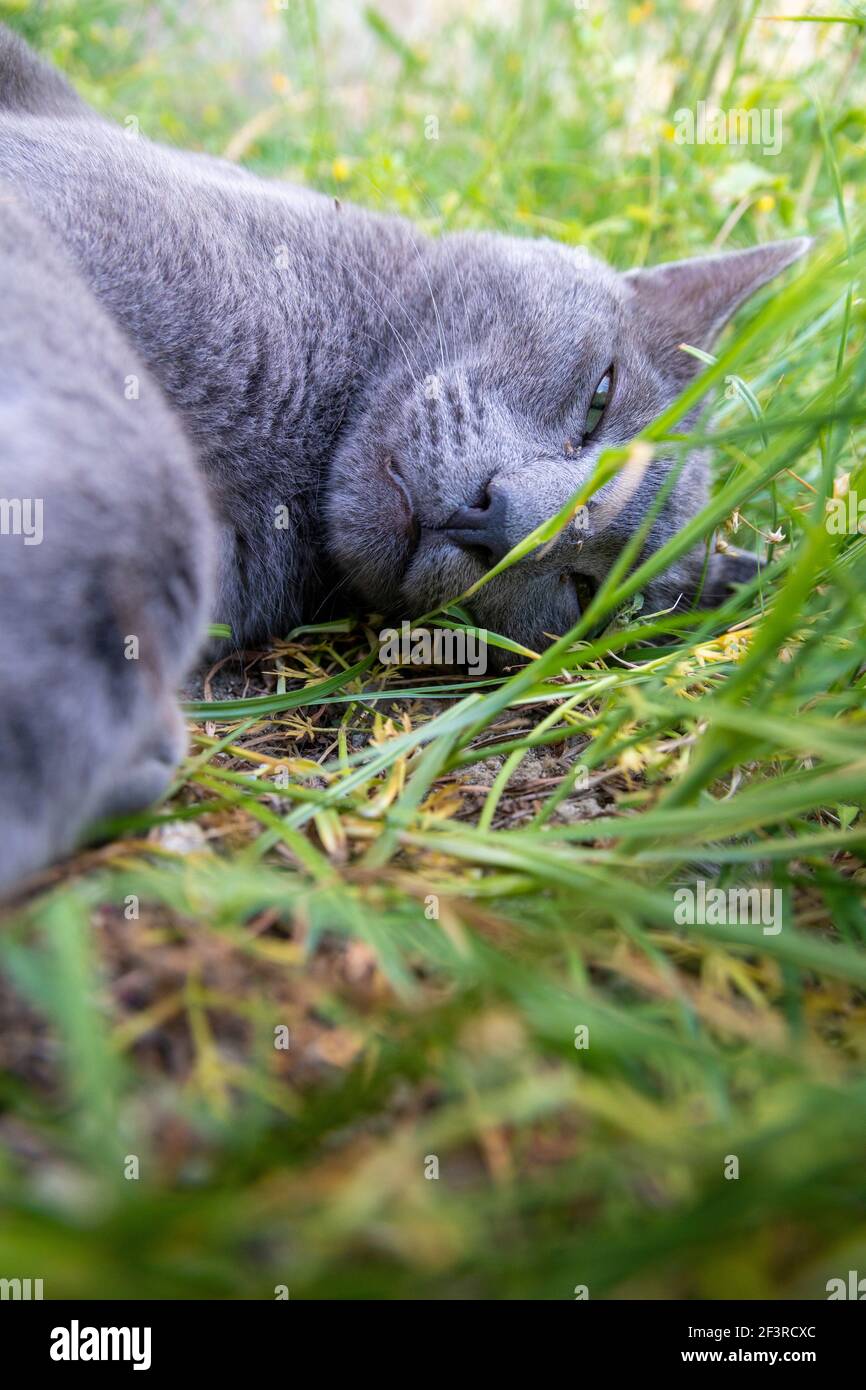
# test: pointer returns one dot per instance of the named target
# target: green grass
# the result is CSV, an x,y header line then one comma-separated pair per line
x,y
548,818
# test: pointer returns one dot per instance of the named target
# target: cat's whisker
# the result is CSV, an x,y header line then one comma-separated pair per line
x,y
397,334
335,589
432,206
432,300
404,311
420,260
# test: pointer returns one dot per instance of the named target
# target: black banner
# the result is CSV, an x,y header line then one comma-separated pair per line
x,y
82,1339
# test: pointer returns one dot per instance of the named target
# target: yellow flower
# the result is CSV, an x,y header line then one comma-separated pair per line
x,y
341,170
632,759
734,644
765,203
731,646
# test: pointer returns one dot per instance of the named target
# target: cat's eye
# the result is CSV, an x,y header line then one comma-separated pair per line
x,y
598,404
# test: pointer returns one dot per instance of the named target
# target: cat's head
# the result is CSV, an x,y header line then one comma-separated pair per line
x,y
519,363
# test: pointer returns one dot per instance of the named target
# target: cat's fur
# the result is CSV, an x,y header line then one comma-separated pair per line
x,y
347,384
102,596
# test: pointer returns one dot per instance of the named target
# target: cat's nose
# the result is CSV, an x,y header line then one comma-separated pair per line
x,y
485,527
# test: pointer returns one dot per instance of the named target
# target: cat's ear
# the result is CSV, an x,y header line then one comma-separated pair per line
x,y
691,301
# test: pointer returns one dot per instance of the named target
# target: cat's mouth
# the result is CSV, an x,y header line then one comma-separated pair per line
x,y
412,530
407,523
404,562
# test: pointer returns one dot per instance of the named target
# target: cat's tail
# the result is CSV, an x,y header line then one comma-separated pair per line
x,y
30,86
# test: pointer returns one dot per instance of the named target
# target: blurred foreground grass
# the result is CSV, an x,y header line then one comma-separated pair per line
x,y
430,889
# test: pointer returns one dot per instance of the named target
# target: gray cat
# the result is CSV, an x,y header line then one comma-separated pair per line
x,y
376,415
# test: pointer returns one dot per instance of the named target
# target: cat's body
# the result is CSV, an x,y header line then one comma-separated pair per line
x,y
373,410
102,598
206,272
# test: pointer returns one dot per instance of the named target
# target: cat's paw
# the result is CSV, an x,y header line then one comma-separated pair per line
x,y
68,769
726,569
696,583
148,776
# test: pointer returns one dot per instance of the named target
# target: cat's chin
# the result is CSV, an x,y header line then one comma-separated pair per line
x,y
436,574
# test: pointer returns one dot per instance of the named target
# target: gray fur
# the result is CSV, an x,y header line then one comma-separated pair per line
x,y
342,373
123,549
